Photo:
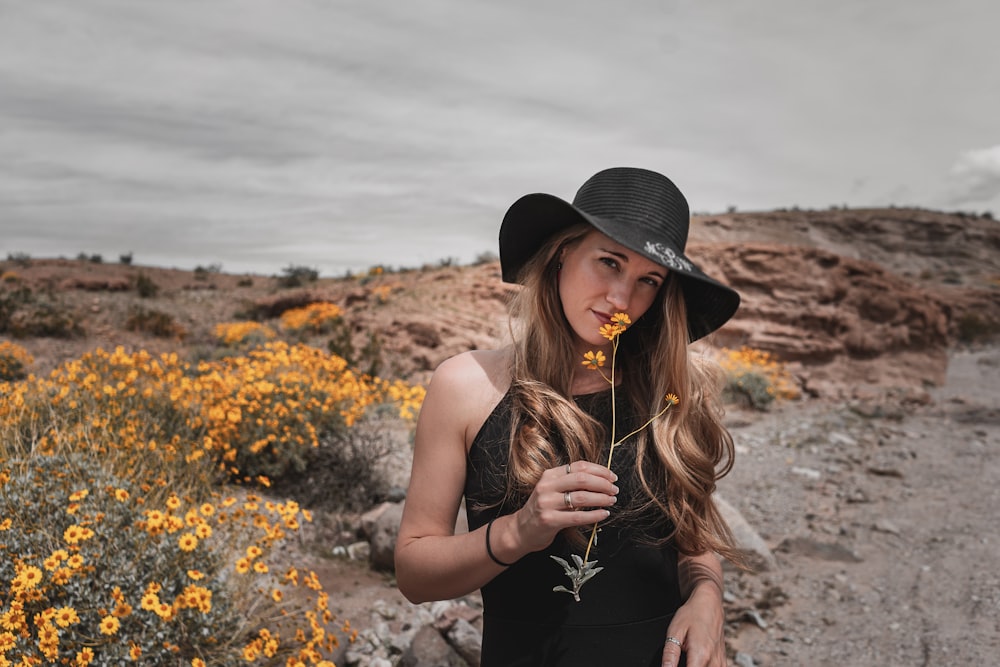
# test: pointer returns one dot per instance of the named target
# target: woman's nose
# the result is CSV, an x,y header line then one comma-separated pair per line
x,y
619,296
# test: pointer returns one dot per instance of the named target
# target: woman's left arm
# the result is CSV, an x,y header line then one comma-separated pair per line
x,y
697,625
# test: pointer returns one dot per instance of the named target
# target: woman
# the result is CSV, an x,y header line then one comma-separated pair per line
x,y
523,434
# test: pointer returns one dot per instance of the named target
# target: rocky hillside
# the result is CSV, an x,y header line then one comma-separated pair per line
x,y
849,298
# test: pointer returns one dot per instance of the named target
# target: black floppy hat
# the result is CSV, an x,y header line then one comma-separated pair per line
x,y
640,209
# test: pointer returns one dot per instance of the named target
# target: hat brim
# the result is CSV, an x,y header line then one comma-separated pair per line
x,y
534,218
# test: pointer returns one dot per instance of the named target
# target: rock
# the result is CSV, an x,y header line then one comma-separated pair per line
x,y
383,539
820,550
359,551
367,521
885,526
744,660
466,640
748,541
429,649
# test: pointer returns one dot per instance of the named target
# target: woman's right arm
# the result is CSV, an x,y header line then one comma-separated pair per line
x,y
432,563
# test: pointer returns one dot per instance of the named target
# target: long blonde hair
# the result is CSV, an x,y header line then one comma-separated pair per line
x,y
680,457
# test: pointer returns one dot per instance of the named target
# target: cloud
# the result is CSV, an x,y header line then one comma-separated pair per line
x,y
975,176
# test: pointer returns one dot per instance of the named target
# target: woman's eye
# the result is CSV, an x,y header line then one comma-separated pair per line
x,y
652,282
608,261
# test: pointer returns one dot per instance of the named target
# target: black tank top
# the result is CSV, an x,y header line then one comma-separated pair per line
x,y
624,610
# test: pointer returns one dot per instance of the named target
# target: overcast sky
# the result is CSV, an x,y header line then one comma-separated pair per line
x,y
340,134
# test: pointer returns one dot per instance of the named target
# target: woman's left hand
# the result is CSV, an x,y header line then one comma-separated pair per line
x,y
696,629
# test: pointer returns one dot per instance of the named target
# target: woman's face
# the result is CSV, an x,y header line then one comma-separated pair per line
x,y
601,277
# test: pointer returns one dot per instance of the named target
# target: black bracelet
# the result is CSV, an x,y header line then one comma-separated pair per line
x,y
489,549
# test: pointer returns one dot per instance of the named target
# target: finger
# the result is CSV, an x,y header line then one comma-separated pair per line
x,y
586,467
582,481
577,500
671,651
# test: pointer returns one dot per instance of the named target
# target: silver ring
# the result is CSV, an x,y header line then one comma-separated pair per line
x,y
569,468
674,640
568,499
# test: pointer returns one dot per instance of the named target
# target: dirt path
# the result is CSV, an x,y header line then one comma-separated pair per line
x,y
884,522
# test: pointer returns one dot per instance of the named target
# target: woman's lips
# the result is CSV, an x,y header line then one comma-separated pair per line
x,y
604,318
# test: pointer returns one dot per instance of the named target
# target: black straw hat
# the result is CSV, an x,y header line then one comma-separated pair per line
x,y
642,210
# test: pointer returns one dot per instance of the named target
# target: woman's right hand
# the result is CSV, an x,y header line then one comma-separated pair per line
x,y
570,495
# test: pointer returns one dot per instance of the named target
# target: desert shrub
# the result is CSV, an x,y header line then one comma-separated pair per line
x,y
368,360
487,257
14,361
22,259
10,277
342,472
972,327
753,377
10,301
297,276
125,258
146,286
153,322
315,318
244,282
236,334
102,572
96,259
42,319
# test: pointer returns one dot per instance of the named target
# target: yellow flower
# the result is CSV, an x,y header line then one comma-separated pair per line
x,y
134,651
109,625
187,542
78,495
173,502
593,360
243,565
195,575
621,319
203,531
609,331
672,399
260,567
85,656
208,509
277,595
197,662
66,616
121,495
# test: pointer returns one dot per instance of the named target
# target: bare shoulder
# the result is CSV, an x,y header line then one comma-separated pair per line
x,y
469,386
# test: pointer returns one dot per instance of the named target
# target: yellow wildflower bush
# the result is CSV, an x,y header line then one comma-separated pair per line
x,y
14,361
244,416
755,377
316,318
90,572
235,334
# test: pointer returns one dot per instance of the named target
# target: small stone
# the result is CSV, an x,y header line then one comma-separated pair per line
x,y
808,473
886,526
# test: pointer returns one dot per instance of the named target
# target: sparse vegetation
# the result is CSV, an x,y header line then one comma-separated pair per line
x,y
125,258
297,276
21,259
153,322
974,328
146,287
14,361
754,378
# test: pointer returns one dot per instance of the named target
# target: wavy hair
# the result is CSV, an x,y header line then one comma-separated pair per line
x,y
679,458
